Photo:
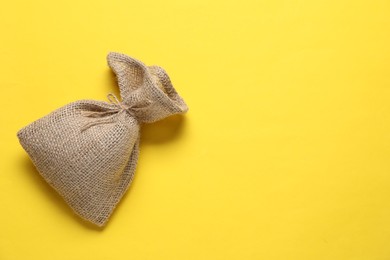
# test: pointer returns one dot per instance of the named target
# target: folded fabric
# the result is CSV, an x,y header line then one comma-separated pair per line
x,y
88,150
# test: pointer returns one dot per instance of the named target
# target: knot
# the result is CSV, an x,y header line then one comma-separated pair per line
x,y
115,101
106,117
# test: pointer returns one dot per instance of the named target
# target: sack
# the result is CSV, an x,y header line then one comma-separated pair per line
x,y
88,150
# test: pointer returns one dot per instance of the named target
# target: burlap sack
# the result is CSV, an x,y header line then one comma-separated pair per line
x,y
88,150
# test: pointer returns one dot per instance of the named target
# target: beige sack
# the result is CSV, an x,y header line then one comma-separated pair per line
x,y
88,150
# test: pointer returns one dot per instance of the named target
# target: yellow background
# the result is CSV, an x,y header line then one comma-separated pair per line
x,y
284,153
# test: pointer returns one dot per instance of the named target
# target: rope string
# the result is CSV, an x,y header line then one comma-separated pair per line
x,y
107,117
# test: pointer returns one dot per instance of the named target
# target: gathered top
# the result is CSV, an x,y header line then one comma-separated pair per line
x,y
146,89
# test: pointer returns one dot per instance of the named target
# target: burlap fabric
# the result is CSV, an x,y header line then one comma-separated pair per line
x,y
88,150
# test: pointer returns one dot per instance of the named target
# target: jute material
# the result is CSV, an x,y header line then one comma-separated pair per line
x,y
88,150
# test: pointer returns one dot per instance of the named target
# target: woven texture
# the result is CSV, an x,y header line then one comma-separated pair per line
x,y
88,150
